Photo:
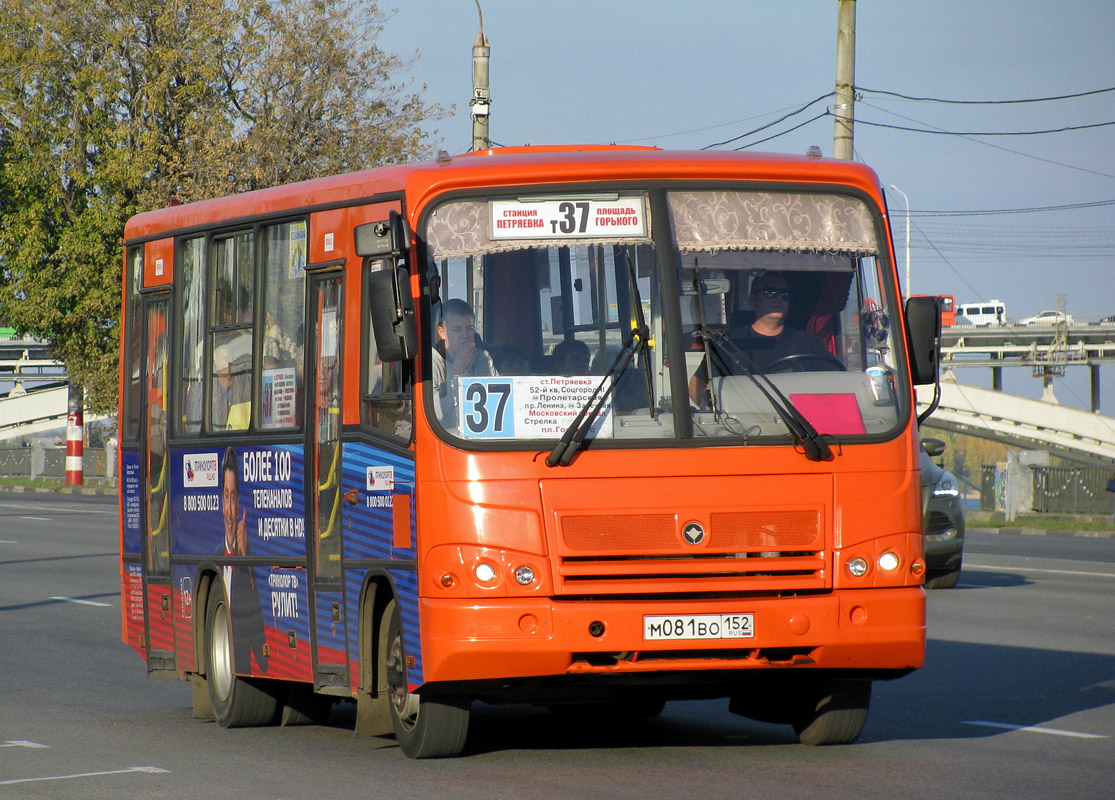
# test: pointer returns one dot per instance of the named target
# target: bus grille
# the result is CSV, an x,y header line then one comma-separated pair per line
x,y
742,551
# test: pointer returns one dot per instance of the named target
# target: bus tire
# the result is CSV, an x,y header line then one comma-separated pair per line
x,y
943,580
424,727
237,702
835,714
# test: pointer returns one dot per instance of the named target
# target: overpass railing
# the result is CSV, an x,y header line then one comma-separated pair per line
x,y
50,462
1056,490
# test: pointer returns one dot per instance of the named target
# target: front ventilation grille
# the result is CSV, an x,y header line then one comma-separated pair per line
x,y
762,551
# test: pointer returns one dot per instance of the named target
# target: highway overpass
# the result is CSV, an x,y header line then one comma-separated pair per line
x,y
1081,436
1071,433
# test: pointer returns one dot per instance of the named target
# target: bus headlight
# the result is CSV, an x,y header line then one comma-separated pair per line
x,y
858,567
524,575
484,572
888,562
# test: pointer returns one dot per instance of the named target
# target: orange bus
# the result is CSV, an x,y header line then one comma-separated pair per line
x,y
948,307
574,426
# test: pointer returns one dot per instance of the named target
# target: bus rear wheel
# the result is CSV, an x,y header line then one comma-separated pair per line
x,y
835,712
424,727
237,702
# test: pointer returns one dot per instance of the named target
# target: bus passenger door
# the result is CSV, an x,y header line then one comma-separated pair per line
x,y
324,475
154,489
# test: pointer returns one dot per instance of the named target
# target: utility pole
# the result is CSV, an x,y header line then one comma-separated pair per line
x,y
907,199
845,79
481,95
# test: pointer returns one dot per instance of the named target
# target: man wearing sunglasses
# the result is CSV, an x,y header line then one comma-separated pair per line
x,y
768,344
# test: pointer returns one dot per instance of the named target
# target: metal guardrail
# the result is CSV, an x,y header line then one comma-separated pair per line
x,y
1057,490
1067,490
49,462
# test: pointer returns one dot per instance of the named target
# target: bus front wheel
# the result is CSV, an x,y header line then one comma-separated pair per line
x,y
237,702
424,727
835,712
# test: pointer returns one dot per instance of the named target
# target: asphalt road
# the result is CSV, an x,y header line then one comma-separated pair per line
x,y
1017,699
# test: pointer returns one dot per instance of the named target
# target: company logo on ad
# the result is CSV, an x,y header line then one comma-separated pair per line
x,y
201,470
381,479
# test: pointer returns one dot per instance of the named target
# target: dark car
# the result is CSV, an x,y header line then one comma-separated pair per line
x,y
944,519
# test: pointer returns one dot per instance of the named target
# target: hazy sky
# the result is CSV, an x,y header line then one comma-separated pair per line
x,y
686,75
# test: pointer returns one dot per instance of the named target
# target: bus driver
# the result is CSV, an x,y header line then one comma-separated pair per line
x,y
456,355
767,341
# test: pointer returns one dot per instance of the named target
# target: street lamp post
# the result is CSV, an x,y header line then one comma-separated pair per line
x,y
907,199
481,94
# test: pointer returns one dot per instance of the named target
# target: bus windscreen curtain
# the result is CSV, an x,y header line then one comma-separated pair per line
x,y
788,222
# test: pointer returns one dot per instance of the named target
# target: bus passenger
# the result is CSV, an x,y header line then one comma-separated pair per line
x,y
571,357
511,360
456,355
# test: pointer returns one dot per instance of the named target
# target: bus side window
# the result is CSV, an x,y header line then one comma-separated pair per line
x,y
189,400
230,326
284,302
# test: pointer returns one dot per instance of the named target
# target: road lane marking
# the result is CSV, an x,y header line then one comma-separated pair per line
x,y
23,743
151,770
1034,729
40,519
82,602
978,567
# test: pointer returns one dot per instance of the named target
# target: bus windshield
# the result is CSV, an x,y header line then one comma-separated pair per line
x,y
775,305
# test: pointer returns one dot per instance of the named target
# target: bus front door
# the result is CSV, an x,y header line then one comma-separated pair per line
x,y
324,474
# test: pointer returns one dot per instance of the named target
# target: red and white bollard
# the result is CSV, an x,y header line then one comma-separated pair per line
x,y
75,429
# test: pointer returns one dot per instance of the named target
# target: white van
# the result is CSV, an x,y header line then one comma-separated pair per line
x,y
991,312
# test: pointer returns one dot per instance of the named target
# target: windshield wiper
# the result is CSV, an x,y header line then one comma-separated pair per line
x,y
716,345
575,434
641,324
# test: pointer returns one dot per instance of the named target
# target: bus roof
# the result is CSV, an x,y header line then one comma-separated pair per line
x,y
504,167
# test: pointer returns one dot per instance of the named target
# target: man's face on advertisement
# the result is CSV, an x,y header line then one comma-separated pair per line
x,y
231,504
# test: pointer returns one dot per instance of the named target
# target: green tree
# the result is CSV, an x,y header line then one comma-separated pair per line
x,y
109,107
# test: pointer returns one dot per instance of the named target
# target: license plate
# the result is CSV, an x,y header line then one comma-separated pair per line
x,y
699,626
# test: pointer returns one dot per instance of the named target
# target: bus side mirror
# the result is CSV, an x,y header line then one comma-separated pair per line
x,y
390,304
923,336
392,311
386,238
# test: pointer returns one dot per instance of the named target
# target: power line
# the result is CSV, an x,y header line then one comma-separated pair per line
x,y
773,123
783,133
998,146
938,132
991,212
985,102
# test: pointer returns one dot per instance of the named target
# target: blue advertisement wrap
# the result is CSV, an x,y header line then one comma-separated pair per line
x,y
272,510
407,585
130,482
369,532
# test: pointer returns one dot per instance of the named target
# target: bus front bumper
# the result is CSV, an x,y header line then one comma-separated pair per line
x,y
866,630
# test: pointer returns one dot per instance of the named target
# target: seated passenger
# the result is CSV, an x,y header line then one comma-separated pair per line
x,y
456,355
766,341
511,360
571,357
